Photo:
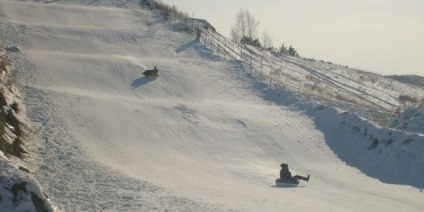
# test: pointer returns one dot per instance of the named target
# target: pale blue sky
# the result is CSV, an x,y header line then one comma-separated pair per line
x,y
381,36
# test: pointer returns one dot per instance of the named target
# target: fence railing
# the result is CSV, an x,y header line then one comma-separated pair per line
x,y
250,58
270,69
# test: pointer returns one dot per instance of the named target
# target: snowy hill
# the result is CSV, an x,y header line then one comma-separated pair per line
x,y
409,79
209,134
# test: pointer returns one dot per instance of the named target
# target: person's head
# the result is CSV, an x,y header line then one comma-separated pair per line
x,y
284,166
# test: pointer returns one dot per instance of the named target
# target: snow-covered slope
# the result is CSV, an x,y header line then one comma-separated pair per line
x,y
204,136
412,120
409,79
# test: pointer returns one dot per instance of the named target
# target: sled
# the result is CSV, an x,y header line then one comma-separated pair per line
x,y
151,73
286,183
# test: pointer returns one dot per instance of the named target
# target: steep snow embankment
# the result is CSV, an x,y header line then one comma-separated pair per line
x,y
412,120
19,191
199,138
390,155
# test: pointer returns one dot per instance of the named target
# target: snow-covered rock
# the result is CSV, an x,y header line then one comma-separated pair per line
x,y
19,191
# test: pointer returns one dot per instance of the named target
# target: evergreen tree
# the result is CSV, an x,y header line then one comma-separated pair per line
x,y
292,51
250,41
283,50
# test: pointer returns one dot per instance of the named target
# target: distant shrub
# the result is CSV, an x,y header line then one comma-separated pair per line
x,y
250,41
345,99
166,9
311,78
284,50
397,110
407,98
293,52
373,78
314,86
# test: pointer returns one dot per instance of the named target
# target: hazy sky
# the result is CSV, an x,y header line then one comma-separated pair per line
x,y
381,36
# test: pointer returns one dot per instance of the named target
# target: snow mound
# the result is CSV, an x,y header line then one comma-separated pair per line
x,y
412,120
390,155
19,191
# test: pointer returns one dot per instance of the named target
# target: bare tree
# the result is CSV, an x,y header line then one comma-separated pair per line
x,y
245,26
252,25
267,40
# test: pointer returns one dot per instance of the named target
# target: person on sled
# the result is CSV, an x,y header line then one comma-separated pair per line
x,y
286,175
153,72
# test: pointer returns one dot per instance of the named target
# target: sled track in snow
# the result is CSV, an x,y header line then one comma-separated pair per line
x,y
77,183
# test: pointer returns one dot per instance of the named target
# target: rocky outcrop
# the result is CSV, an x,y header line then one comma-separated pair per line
x,y
19,191
12,126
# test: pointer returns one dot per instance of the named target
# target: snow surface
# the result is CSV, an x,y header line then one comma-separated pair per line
x,y
204,136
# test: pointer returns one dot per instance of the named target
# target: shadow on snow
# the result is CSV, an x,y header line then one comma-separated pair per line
x,y
141,81
340,143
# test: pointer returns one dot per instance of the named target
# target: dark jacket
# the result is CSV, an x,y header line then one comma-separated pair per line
x,y
285,174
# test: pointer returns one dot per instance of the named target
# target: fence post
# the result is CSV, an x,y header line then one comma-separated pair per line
x,y
251,61
241,56
270,76
234,49
199,34
261,69
192,26
212,45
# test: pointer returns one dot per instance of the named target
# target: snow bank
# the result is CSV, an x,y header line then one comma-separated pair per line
x,y
411,120
390,155
19,191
